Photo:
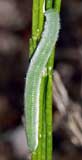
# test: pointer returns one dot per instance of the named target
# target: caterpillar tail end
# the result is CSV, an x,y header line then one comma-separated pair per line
x,y
32,146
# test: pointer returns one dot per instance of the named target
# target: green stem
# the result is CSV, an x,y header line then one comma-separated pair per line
x,y
37,27
40,29
49,94
33,43
57,5
48,4
43,157
35,17
49,117
34,155
44,134
49,101
41,18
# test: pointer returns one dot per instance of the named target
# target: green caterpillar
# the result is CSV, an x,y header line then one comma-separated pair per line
x,y
34,75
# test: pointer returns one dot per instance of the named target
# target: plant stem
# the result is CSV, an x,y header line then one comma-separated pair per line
x,y
35,18
41,120
33,43
48,4
49,101
43,157
41,18
37,27
49,92
57,5
49,118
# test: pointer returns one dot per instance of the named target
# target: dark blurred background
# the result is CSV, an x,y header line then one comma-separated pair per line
x,y
15,30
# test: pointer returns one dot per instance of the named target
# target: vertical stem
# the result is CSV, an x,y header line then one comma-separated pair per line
x,y
35,18
43,157
57,5
49,102
48,4
35,15
41,18
49,116
34,155
49,93
41,120
37,27
33,42
44,134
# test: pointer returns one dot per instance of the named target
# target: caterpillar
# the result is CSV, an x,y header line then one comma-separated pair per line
x,y
34,75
